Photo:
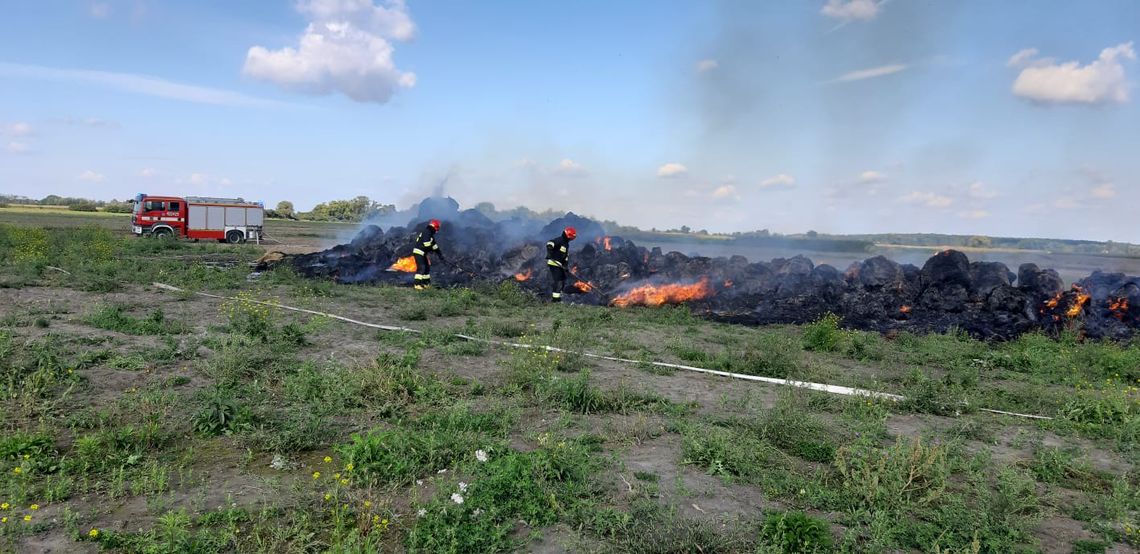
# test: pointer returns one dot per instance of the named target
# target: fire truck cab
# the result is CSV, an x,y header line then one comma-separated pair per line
x,y
223,219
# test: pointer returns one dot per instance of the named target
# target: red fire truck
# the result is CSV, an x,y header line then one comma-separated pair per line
x,y
193,217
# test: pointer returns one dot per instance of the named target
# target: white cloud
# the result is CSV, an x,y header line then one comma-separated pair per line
x,y
672,170
147,173
569,167
137,84
979,191
974,214
1022,57
927,199
198,179
851,10
16,147
870,73
17,129
344,49
724,192
871,176
100,10
706,65
90,176
782,180
1107,190
1102,81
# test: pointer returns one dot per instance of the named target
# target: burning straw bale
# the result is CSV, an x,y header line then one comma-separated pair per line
x,y
949,291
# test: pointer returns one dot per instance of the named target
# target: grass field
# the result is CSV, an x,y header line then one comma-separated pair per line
x,y
138,420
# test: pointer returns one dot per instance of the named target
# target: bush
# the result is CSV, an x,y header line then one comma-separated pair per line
x,y
909,473
220,414
823,335
115,318
83,207
538,488
433,442
795,532
725,451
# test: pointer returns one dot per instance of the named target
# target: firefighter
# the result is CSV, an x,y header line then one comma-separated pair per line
x,y
558,260
425,244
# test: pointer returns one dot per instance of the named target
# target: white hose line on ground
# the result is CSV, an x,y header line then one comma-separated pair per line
x,y
821,387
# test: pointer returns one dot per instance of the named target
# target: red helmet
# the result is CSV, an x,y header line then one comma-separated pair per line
x,y
570,232
434,224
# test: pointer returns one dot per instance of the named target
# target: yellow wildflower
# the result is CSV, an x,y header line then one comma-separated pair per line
x,y
344,481
34,507
27,518
348,467
336,476
367,503
18,470
316,475
4,506
328,497
4,520
384,522
93,533
328,459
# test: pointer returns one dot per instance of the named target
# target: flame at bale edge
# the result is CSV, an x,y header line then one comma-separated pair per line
x,y
1118,307
524,276
905,309
583,286
657,295
1079,303
406,264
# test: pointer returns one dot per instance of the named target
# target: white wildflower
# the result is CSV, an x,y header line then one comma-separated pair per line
x,y
442,471
478,512
457,498
462,486
419,482
481,455
421,512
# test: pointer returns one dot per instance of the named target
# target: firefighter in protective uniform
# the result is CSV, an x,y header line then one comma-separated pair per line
x,y
425,244
558,260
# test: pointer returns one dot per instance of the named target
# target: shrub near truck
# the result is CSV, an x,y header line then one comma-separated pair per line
x,y
192,217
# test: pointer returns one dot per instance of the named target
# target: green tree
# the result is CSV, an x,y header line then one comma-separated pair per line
x,y
285,209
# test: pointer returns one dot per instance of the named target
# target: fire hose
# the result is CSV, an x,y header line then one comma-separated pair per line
x,y
819,387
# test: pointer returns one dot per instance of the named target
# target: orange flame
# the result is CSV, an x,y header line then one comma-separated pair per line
x,y
1052,302
406,264
1079,303
523,276
583,286
905,309
1074,304
1118,307
656,295
606,242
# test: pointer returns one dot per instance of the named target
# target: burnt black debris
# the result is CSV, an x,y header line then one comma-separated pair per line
x,y
984,299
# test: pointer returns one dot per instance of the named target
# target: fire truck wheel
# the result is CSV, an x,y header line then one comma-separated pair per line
x,y
235,237
163,234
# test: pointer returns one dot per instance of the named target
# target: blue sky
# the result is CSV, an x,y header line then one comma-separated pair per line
x,y
1011,118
